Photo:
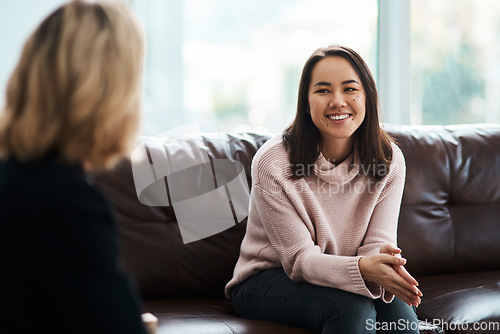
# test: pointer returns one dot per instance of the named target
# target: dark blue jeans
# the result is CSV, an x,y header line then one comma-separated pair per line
x,y
272,296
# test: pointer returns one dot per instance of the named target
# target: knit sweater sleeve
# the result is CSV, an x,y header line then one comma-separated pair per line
x,y
384,220
290,234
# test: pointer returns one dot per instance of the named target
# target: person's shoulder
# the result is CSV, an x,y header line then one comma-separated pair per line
x,y
398,158
63,179
43,176
51,194
274,148
75,200
48,181
75,189
272,156
397,167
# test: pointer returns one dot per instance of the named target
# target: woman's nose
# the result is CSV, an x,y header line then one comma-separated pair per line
x,y
337,101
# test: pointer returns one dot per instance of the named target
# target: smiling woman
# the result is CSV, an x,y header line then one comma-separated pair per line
x,y
321,236
336,105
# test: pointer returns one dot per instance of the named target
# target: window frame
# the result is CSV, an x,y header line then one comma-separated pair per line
x,y
393,73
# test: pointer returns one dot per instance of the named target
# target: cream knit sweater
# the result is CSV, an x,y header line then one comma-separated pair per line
x,y
318,227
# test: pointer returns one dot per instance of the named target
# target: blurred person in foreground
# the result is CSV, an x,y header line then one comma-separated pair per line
x,y
72,106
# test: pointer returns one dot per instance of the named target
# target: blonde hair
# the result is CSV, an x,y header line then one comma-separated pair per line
x,y
75,92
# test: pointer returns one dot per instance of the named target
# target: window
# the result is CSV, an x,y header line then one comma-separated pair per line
x,y
235,65
455,61
19,18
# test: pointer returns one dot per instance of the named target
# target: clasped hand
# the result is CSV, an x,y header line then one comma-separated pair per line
x,y
387,270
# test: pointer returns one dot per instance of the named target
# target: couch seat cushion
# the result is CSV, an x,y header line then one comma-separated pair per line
x,y
464,298
207,316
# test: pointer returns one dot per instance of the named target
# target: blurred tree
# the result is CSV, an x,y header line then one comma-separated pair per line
x,y
448,91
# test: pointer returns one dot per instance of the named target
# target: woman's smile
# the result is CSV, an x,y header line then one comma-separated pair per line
x,y
338,118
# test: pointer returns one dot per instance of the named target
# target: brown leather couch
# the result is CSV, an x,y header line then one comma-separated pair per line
x,y
449,230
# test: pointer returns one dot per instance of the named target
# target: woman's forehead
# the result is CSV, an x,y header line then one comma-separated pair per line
x,y
334,68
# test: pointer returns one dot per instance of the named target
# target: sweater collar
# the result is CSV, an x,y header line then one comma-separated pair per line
x,y
340,174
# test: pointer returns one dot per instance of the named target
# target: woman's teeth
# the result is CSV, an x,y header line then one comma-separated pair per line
x,y
338,117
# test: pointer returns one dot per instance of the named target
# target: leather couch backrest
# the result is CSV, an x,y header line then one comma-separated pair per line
x,y
450,215
152,246
449,222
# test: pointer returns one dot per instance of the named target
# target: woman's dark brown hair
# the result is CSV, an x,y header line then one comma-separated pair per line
x,y
302,137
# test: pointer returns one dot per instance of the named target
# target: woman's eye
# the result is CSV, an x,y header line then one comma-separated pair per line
x,y
322,91
350,89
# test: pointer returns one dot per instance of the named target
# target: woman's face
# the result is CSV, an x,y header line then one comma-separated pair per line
x,y
336,100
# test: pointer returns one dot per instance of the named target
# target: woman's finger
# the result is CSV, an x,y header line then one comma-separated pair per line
x,y
396,281
390,248
405,284
404,291
404,295
406,279
391,260
380,269
406,275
